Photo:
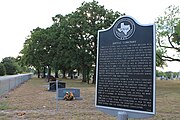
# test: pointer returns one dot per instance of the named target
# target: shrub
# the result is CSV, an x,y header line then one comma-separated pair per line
x,y
10,68
2,70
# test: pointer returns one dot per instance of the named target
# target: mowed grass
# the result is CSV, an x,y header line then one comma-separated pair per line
x,y
168,99
37,102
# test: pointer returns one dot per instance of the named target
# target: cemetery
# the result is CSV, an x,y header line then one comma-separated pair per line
x,y
126,84
94,64
33,101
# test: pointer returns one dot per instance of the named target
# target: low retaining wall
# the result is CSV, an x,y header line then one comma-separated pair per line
x,y
8,83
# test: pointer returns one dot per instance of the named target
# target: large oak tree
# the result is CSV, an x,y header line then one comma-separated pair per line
x,y
168,27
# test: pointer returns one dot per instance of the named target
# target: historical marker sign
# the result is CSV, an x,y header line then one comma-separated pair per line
x,y
126,67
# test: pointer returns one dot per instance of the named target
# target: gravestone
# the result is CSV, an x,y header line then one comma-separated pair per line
x,y
126,69
75,91
52,85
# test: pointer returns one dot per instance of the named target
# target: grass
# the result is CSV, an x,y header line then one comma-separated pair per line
x,y
77,83
33,98
168,98
4,105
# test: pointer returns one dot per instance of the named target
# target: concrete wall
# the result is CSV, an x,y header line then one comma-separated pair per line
x,y
8,83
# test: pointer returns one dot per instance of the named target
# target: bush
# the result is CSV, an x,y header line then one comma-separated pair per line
x,y
11,65
2,70
10,68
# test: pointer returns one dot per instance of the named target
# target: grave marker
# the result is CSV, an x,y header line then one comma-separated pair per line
x,y
75,91
52,85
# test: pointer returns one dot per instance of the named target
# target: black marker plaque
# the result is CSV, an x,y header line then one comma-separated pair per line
x,y
126,67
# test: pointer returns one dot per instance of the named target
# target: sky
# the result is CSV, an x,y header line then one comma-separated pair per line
x,y
19,17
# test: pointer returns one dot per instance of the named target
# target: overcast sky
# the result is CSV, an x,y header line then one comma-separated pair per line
x,y
19,17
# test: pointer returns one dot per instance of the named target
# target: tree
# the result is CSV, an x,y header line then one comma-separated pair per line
x,y
21,67
168,35
10,65
70,43
63,56
54,33
159,56
83,26
2,70
34,52
160,73
176,35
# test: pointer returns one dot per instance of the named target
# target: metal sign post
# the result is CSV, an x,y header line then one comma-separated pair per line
x,y
57,95
122,116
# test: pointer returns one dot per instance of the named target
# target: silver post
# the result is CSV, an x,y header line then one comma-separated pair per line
x,y
56,95
122,116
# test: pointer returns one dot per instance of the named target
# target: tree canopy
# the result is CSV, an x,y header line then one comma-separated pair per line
x,y
70,43
11,66
168,35
2,70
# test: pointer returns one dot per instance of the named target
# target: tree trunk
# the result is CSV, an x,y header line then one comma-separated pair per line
x,y
84,74
49,73
78,72
71,74
94,76
87,74
44,72
64,73
38,73
56,73
95,53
